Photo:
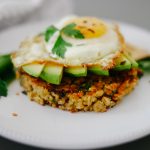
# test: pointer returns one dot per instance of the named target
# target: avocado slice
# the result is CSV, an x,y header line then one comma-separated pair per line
x,y
52,73
97,69
134,64
122,63
33,69
76,71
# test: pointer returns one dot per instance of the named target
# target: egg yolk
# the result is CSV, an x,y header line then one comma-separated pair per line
x,y
90,27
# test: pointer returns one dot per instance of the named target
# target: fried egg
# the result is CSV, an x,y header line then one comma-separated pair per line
x,y
101,43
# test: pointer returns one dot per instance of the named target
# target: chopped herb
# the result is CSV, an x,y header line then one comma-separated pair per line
x,y
85,86
49,32
3,88
72,32
53,101
60,47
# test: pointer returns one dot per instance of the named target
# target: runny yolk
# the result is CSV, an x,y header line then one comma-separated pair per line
x,y
90,27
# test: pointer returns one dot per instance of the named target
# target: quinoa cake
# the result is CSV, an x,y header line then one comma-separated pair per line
x,y
91,93
78,64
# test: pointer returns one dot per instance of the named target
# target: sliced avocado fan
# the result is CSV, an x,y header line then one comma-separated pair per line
x,y
98,70
52,73
77,71
33,69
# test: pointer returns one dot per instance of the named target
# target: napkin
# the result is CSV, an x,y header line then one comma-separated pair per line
x,y
20,11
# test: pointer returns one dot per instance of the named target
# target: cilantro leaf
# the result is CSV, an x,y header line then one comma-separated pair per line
x,y
60,47
3,88
72,32
49,32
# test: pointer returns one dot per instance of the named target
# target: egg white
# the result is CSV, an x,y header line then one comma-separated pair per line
x,y
82,51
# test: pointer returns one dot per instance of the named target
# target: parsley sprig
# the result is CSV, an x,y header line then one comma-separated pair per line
x,y
72,32
61,45
49,32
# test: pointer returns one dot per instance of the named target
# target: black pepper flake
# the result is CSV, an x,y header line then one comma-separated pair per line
x,y
85,21
91,30
123,62
62,94
24,92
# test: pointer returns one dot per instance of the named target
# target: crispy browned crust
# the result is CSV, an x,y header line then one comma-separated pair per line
x,y
91,93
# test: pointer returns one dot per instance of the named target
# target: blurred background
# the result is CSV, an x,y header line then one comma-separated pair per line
x,y
18,12
21,11
131,11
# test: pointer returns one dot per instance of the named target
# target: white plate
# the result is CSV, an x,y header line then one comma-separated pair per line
x,y
47,127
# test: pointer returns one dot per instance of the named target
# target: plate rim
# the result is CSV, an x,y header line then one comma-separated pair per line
x,y
19,138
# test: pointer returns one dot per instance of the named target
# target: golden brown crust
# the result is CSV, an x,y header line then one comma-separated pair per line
x,y
91,93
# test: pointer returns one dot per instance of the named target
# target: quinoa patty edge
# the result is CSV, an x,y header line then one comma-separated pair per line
x,y
91,93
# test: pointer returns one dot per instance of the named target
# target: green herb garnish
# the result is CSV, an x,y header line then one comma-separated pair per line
x,y
85,86
60,46
49,32
5,63
6,73
144,64
3,88
72,32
